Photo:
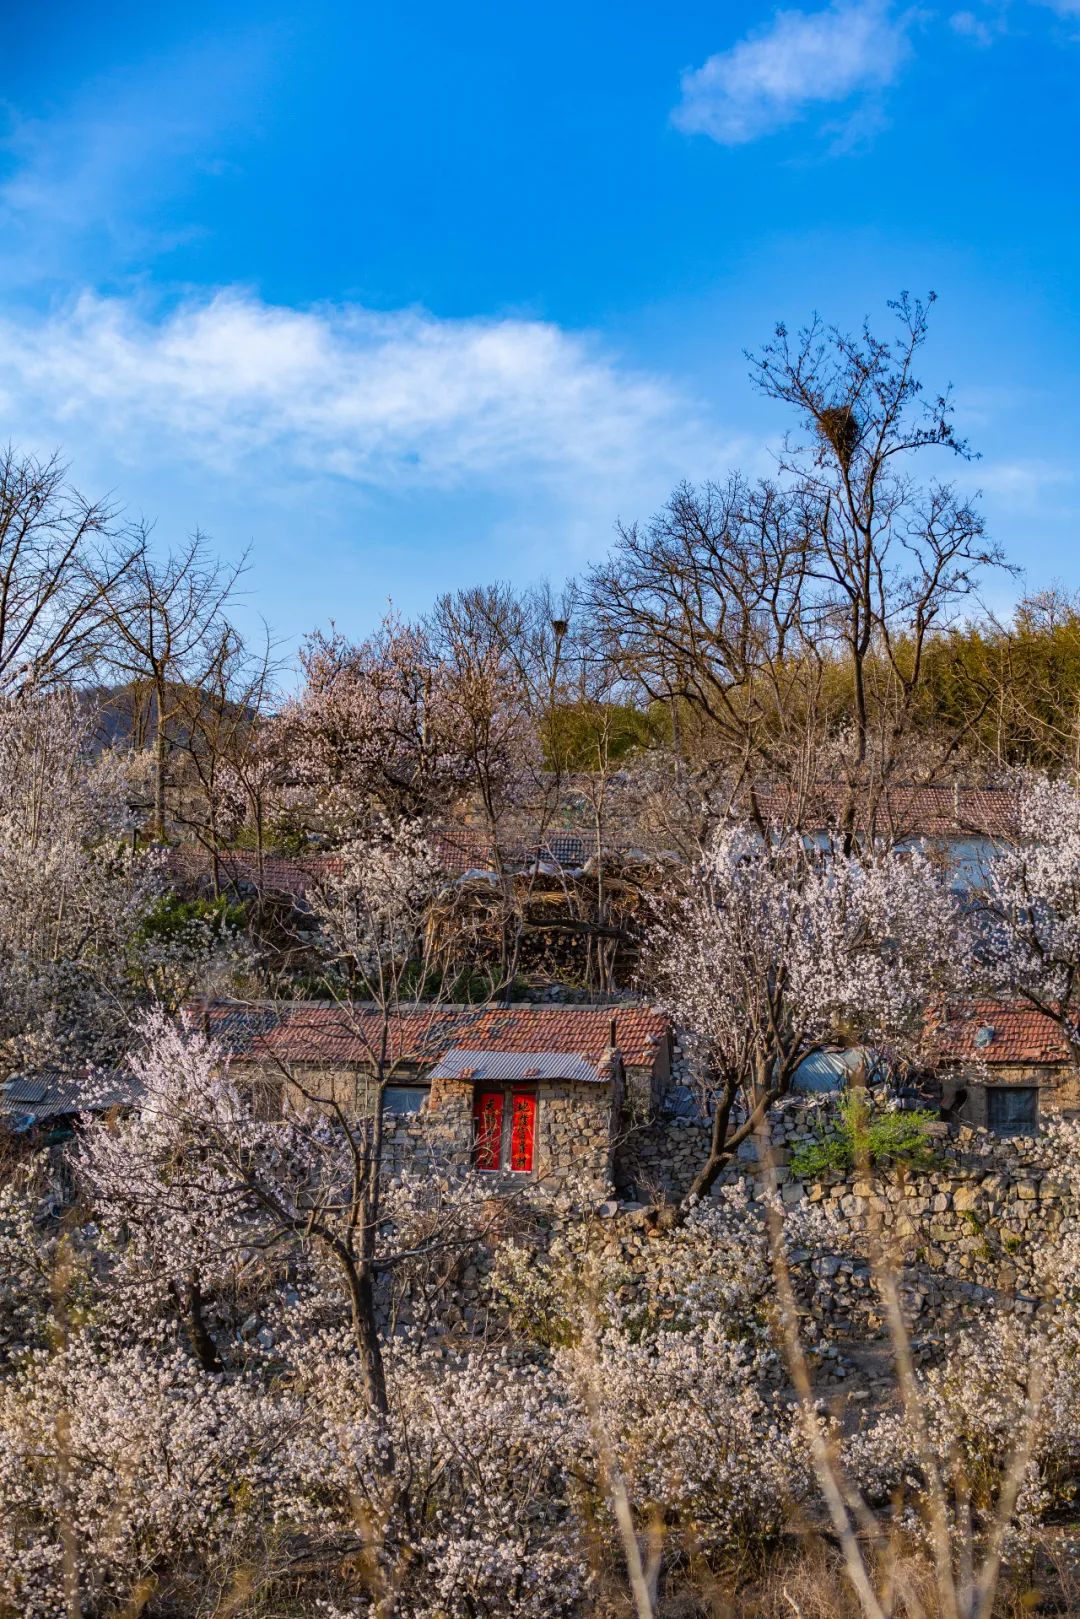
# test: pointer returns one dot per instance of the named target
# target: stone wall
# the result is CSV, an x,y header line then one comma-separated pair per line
x,y
576,1132
576,1125
965,1236
1058,1086
966,1233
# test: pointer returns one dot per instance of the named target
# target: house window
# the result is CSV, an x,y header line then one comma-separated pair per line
x,y
404,1098
1012,1109
504,1131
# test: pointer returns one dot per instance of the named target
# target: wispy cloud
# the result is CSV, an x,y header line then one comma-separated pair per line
x,y
770,78
389,401
1025,485
979,29
94,183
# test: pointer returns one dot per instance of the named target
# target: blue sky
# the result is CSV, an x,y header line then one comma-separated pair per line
x,y
409,295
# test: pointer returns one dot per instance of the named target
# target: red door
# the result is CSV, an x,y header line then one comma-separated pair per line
x,y
487,1129
522,1132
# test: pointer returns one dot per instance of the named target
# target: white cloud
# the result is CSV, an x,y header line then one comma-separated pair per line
x,y
1022,485
969,26
771,77
101,182
390,401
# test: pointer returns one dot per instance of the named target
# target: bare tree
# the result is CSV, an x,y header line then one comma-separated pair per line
x,y
167,619
789,622
218,722
893,561
60,559
708,608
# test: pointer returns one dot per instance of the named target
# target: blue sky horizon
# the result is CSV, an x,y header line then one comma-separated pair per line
x,y
408,300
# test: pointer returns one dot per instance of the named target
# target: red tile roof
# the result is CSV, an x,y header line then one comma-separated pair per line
x,y
908,811
994,1032
313,1032
276,875
458,849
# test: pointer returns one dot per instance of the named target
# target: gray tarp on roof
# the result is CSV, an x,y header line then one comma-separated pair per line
x,y
461,1063
833,1070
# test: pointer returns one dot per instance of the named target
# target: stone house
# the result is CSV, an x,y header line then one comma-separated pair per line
x,y
958,827
1003,1065
538,1091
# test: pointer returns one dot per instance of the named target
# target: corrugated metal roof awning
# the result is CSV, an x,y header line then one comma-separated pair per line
x,y
462,1063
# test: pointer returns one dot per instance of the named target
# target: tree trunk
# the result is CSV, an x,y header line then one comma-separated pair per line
x,y
703,1182
722,1148
361,1285
190,1299
158,827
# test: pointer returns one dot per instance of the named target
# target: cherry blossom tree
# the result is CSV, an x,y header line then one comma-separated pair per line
x,y
315,1177
778,950
371,731
72,892
79,949
1026,912
391,942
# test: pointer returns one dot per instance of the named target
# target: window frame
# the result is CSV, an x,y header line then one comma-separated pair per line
x,y
1006,1129
415,1088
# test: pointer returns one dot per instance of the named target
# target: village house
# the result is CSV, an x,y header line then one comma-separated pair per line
x,y
1003,1065
538,1091
959,827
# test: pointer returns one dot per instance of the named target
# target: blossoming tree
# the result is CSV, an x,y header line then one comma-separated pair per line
x,y
79,944
1026,918
777,950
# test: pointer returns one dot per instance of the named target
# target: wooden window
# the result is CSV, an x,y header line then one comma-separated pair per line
x,y
504,1131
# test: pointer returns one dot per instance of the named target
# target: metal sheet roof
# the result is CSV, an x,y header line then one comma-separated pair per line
x,y
53,1093
834,1070
462,1063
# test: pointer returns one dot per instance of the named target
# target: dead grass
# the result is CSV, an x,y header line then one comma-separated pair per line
x,y
806,1579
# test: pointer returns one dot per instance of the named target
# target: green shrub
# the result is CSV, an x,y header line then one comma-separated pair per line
x,y
861,1132
171,918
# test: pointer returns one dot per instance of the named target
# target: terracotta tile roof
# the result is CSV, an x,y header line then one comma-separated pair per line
x,y
278,875
316,1032
994,1032
907,811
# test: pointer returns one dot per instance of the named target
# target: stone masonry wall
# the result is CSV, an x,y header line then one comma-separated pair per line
x,y
575,1126
965,1233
